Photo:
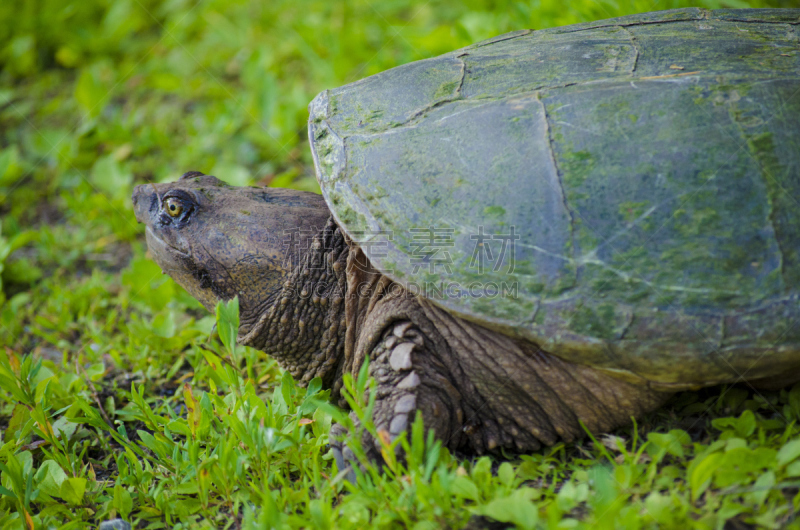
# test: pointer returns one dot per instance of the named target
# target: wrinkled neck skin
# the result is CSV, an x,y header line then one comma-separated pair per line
x,y
304,326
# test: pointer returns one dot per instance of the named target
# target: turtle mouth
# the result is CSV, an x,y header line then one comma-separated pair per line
x,y
159,246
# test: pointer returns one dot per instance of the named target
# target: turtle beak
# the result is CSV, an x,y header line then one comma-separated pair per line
x,y
144,201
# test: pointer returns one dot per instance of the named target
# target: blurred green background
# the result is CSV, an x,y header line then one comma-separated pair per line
x,y
97,96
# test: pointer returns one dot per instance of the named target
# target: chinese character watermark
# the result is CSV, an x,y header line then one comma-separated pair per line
x,y
428,248
483,250
375,244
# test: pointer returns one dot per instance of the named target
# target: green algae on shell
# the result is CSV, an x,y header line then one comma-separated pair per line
x,y
650,166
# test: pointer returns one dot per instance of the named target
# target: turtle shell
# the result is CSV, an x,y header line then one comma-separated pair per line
x,y
624,193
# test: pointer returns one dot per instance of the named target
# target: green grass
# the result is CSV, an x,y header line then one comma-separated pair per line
x,y
116,400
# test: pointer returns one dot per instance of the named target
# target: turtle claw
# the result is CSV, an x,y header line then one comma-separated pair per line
x,y
346,459
343,464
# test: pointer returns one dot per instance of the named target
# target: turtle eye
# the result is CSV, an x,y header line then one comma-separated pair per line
x,y
173,207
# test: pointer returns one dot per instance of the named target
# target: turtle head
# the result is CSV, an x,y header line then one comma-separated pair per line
x,y
220,241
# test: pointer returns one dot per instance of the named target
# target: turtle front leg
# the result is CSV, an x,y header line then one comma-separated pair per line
x,y
410,378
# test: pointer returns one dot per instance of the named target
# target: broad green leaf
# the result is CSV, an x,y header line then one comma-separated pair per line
x,y
668,443
743,426
50,477
228,323
464,487
658,506
72,490
517,508
164,324
19,418
793,469
123,502
789,452
571,494
506,473
702,471
314,386
187,488
762,487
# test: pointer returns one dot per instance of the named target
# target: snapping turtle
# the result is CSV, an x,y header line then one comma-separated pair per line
x,y
546,228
